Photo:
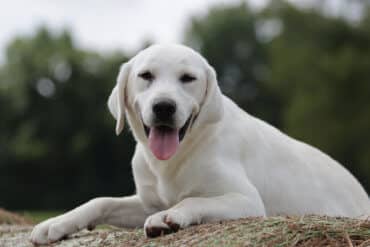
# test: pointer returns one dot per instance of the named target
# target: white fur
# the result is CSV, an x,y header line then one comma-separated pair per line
x,y
229,165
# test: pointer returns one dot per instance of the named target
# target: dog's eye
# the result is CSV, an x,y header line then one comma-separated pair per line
x,y
148,76
186,78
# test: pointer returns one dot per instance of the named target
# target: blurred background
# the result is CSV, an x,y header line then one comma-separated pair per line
x,y
302,66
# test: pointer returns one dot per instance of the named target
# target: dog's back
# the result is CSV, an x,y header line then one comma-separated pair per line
x,y
293,177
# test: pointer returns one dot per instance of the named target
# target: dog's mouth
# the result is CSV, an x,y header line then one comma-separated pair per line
x,y
164,139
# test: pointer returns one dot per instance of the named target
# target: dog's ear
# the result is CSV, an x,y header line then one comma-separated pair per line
x,y
116,101
211,109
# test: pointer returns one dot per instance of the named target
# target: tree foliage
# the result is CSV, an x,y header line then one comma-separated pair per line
x,y
58,143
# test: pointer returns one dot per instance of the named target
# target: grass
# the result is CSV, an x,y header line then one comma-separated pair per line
x,y
255,232
29,217
38,216
9,218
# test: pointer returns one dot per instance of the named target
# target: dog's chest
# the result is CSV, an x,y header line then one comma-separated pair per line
x,y
170,192
172,187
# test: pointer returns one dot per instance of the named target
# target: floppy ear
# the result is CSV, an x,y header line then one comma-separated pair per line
x,y
116,101
211,109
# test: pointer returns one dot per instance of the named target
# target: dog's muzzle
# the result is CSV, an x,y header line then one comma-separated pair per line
x,y
163,136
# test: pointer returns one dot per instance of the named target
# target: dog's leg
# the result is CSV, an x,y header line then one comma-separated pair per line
x,y
195,210
123,212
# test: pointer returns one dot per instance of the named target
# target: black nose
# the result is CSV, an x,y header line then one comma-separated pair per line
x,y
164,109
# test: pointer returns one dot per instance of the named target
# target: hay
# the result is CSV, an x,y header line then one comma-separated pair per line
x,y
9,218
255,232
273,231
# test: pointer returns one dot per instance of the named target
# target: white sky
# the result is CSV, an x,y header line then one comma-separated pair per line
x,y
106,25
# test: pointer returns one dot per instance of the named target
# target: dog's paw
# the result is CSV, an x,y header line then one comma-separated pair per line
x,y
51,230
164,222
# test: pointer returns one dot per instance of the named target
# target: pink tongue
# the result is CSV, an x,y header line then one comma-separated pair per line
x,y
163,143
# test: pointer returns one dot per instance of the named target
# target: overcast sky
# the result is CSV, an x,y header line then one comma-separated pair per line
x,y
105,25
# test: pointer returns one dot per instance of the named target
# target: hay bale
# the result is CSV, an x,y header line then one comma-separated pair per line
x,y
9,218
281,231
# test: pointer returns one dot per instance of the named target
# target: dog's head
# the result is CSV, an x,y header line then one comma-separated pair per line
x,y
166,90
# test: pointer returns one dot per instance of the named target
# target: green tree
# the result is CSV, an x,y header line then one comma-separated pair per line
x,y
58,137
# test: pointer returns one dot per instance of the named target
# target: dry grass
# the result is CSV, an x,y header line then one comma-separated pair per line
x,y
274,231
9,218
257,232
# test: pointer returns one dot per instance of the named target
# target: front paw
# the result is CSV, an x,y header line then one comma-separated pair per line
x,y
51,230
165,222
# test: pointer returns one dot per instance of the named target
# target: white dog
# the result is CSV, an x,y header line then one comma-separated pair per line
x,y
200,158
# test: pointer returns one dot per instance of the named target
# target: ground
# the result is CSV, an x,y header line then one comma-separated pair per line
x,y
273,231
